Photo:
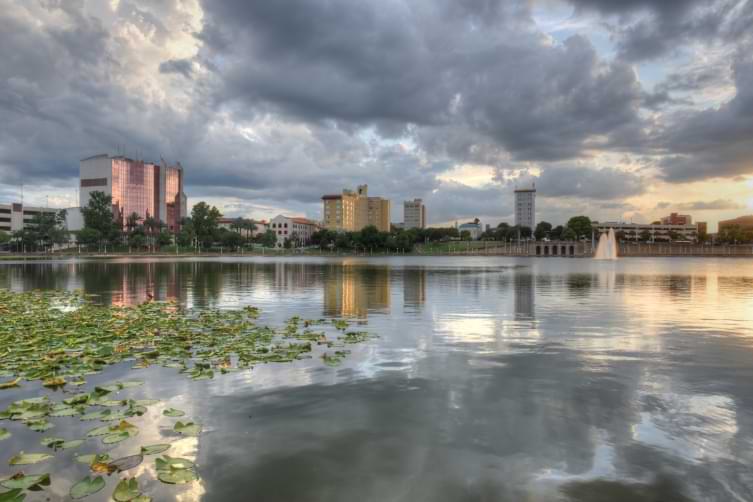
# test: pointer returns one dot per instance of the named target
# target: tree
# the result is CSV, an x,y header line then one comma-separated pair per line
x,y
4,237
674,236
98,216
269,239
164,238
556,233
44,230
542,230
465,235
645,235
89,237
132,221
231,239
205,221
569,234
581,225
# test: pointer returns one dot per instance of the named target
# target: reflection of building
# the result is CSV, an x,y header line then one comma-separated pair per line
x,y
352,211
677,219
525,207
524,292
352,291
145,188
297,231
414,287
414,214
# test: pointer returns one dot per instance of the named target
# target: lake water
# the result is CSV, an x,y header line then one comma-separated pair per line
x,y
492,379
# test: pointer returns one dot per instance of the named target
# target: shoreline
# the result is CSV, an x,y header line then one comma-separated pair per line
x,y
168,256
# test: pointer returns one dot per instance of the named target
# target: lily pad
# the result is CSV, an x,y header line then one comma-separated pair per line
x,y
188,428
73,443
126,463
173,412
51,442
40,425
167,462
90,458
24,482
28,458
12,496
115,438
87,486
4,434
177,476
154,449
127,489
10,384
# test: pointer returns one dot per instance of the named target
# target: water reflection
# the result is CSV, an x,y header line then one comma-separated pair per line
x,y
498,379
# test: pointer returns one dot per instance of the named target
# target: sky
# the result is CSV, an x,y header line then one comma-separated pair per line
x,y
617,109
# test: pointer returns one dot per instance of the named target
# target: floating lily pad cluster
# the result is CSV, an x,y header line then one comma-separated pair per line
x,y
59,339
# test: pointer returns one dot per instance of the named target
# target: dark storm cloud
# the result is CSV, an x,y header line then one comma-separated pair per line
x,y
181,66
715,142
647,29
425,63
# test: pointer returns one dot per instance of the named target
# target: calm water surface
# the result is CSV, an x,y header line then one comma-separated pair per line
x,y
492,379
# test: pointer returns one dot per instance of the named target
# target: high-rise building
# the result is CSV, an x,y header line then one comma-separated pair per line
x,y
677,219
145,188
351,211
525,207
414,214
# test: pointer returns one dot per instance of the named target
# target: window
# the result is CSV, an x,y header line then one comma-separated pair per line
x,y
93,182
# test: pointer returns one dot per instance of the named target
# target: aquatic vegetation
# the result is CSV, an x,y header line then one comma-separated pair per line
x,y
60,339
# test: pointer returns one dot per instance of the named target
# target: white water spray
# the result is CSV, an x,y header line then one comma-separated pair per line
x,y
607,247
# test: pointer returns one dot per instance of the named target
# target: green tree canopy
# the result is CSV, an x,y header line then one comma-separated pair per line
x,y
205,220
98,216
581,225
542,230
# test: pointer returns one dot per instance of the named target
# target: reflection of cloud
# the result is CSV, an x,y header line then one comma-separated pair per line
x,y
700,427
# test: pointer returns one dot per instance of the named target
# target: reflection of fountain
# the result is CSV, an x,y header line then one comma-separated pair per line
x,y
607,247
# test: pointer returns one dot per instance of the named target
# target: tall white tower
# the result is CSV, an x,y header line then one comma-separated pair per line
x,y
525,207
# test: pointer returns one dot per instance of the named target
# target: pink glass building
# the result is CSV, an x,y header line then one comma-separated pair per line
x,y
145,188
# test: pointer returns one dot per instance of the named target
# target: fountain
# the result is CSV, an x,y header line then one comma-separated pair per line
x,y
607,247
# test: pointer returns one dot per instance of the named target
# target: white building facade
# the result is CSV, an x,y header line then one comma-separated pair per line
x,y
297,230
657,233
525,207
15,217
414,214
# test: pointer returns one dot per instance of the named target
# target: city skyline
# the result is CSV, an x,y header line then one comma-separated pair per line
x,y
621,111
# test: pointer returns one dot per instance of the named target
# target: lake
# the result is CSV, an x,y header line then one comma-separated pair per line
x,y
491,379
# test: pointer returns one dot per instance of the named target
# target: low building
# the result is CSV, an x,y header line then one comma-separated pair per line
x,y
703,228
656,233
744,222
473,227
261,226
414,214
296,230
677,219
15,217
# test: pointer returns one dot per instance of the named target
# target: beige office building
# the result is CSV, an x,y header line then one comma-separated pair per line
x,y
351,211
414,214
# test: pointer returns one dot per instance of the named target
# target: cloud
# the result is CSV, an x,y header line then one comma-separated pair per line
x,y
714,205
181,66
283,101
714,142
582,182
